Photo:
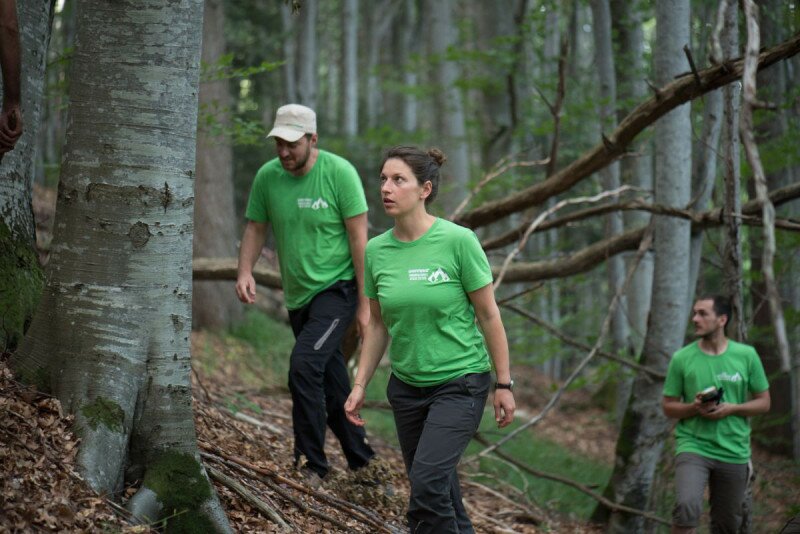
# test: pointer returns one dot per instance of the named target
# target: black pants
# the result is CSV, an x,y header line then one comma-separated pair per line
x,y
318,378
434,427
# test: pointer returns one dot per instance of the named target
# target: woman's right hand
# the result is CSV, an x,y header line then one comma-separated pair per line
x,y
352,407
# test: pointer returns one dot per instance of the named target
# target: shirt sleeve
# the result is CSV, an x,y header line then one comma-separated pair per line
x,y
673,385
475,269
370,291
257,202
352,201
758,379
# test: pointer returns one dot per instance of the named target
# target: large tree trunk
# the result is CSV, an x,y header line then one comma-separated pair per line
x,y
21,277
450,104
644,427
111,336
214,304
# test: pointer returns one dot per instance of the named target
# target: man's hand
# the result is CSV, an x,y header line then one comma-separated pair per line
x,y
362,317
353,404
10,128
246,288
504,407
719,411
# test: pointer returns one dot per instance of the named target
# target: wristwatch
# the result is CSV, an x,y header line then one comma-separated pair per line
x,y
499,385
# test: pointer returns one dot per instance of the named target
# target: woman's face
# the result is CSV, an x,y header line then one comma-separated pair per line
x,y
400,190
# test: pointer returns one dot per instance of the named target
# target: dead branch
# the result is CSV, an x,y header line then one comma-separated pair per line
x,y
498,279
673,95
355,511
571,483
537,519
500,168
716,56
253,421
690,59
754,158
555,331
248,496
644,245
499,525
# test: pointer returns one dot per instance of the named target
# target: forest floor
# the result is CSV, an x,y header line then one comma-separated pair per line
x,y
245,433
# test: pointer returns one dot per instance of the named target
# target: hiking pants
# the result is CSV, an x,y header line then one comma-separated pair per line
x,y
318,378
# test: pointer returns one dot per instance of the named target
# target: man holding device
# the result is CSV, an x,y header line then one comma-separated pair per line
x,y
713,385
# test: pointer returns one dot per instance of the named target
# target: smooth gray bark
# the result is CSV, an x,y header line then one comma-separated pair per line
x,y
450,118
21,277
350,67
609,175
214,304
307,54
111,336
637,170
289,25
410,29
644,427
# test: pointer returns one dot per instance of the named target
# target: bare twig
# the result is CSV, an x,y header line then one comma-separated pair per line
x,y
579,344
248,495
753,157
498,525
716,54
690,59
253,421
500,168
542,216
643,247
571,483
529,513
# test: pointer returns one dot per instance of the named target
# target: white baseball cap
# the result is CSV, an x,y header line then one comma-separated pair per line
x,y
293,121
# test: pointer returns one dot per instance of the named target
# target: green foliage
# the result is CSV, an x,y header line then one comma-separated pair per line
x,y
270,343
224,69
178,482
106,412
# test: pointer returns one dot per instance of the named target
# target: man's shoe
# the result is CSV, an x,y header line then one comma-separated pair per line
x,y
310,478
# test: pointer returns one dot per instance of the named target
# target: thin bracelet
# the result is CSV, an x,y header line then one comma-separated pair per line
x,y
359,384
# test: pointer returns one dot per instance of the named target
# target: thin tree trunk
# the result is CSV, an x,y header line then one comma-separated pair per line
x,y
308,54
111,336
732,261
644,427
450,115
214,304
609,175
637,171
21,278
288,20
350,66
410,29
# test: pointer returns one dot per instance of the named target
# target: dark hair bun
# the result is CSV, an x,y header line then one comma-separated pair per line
x,y
437,155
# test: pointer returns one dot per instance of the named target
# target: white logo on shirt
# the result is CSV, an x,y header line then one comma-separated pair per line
x,y
305,203
725,377
418,274
438,276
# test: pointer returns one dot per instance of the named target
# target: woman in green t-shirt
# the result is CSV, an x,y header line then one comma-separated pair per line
x,y
428,280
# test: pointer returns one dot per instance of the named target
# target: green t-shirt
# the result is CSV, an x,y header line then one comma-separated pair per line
x,y
738,371
307,214
422,289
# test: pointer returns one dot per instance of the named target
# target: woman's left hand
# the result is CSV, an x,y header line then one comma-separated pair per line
x,y
503,407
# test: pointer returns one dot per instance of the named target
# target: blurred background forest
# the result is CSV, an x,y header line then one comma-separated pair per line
x,y
515,92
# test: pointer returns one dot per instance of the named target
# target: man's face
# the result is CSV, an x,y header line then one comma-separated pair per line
x,y
706,321
294,156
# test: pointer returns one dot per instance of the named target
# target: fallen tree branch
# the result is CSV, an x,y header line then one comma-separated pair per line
x,y
248,496
498,279
227,269
555,331
643,247
668,98
537,519
571,483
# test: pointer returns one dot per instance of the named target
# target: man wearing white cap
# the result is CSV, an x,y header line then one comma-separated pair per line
x,y
315,203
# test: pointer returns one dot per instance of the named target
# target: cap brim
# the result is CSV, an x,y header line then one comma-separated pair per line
x,y
287,134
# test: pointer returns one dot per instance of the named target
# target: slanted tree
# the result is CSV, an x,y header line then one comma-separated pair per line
x,y
110,338
21,278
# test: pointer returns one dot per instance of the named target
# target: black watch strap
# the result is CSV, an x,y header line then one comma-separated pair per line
x,y
499,385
